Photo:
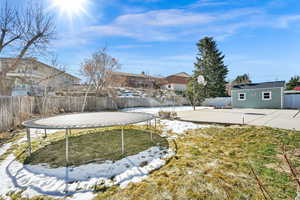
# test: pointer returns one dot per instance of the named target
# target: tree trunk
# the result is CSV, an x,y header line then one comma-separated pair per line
x,y
85,97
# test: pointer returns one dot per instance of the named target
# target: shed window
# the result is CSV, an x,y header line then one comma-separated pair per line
x,y
242,96
266,95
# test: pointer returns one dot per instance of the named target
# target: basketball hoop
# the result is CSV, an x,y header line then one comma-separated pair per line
x,y
201,80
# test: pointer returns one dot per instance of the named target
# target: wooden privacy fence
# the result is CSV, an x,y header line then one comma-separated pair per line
x,y
14,110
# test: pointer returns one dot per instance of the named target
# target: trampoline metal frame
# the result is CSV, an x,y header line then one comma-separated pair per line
x,y
28,125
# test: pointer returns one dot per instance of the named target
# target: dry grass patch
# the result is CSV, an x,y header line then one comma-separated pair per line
x,y
218,167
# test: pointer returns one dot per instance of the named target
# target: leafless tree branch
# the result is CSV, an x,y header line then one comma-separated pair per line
x,y
28,30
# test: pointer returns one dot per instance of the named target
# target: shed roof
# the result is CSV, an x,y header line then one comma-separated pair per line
x,y
259,85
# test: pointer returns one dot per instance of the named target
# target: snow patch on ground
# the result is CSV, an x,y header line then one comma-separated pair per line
x,y
175,126
107,169
4,148
180,127
82,196
41,180
155,110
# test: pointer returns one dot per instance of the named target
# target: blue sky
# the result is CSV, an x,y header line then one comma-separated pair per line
x,y
258,37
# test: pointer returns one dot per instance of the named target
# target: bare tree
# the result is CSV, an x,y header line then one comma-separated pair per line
x,y
98,70
10,25
27,30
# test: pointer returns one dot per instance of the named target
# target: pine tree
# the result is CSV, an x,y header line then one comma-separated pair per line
x,y
294,82
210,64
242,79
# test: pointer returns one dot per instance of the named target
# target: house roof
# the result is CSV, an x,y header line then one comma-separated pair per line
x,y
259,85
297,88
182,74
179,78
133,75
45,65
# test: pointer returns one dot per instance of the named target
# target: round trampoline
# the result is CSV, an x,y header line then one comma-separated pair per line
x,y
88,120
85,121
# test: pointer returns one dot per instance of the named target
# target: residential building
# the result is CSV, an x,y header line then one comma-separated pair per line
x,y
134,80
176,82
258,95
32,75
297,88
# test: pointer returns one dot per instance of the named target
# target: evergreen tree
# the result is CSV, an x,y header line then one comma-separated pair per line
x,y
294,82
242,79
210,64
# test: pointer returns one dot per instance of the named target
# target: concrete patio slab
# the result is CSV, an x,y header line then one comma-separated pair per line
x,y
286,119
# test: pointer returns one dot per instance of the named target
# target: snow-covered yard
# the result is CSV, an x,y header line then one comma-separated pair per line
x,y
81,181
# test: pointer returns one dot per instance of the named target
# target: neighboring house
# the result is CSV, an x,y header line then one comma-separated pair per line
x,y
32,76
297,88
176,82
258,95
134,80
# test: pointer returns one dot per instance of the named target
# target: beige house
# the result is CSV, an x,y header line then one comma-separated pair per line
x,y
134,80
177,82
32,74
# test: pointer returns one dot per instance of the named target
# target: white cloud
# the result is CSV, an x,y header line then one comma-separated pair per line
x,y
132,46
284,21
208,3
171,24
171,17
188,24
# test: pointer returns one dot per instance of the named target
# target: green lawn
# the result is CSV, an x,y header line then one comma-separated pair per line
x,y
97,145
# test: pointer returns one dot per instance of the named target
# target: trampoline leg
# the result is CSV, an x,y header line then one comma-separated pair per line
x,y
151,136
155,123
67,147
45,133
123,149
29,141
